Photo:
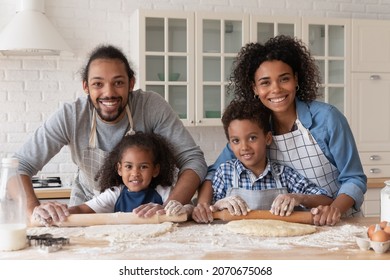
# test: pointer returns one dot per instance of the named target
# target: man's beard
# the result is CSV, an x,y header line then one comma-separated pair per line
x,y
108,118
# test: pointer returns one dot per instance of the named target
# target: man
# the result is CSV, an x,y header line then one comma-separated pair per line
x,y
92,125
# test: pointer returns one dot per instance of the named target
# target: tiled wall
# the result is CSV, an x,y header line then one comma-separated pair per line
x,y
31,88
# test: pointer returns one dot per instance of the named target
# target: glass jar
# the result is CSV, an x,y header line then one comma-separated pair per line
x,y
385,202
13,218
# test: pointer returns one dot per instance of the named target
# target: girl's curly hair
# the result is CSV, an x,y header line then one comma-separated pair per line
x,y
291,51
161,150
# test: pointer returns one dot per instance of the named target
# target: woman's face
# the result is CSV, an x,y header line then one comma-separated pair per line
x,y
275,85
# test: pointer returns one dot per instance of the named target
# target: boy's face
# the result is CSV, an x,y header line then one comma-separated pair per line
x,y
249,144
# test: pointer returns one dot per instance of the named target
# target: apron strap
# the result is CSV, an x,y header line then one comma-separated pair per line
x,y
130,118
92,134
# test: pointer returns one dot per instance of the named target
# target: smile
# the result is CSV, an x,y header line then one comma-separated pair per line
x,y
109,103
277,100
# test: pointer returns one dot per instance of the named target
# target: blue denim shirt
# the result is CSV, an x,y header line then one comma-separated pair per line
x,y
331,130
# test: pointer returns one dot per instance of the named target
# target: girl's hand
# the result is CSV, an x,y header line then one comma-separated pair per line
x,y
326,215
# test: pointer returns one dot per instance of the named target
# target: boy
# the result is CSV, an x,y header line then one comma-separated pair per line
x,y
251,181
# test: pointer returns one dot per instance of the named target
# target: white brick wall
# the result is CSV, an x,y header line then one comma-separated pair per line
x,y
32,88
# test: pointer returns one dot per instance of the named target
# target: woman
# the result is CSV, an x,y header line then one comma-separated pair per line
x,y
312,137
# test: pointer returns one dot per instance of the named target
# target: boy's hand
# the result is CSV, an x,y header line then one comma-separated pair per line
x,y
234,204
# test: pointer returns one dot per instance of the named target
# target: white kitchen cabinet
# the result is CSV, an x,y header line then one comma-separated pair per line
x,y
371,121
370,89
372,205
187,58
370,45
329,42
219,37
265,27
164,52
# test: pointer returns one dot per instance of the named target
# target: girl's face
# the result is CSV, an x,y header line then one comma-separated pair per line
x,y
249,144
137,168
275,85
108,88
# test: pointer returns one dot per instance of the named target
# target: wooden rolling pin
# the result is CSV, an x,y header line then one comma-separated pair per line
x,y
302,217
119,218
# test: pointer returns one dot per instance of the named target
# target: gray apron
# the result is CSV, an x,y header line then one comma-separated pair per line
x,y
86,187
257,199
299,150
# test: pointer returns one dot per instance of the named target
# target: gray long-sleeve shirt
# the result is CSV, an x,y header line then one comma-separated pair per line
x,y
71,126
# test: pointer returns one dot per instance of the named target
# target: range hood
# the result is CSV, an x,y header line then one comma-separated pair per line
x,y
31,33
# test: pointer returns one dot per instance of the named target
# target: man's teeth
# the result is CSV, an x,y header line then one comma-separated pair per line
x,y
108,103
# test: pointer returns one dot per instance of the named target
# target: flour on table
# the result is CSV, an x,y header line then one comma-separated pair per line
x,y
269,228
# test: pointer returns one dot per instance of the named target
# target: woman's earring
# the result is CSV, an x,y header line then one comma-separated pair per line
x,y
297,88
255,96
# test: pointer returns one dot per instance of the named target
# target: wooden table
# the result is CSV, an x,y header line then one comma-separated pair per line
x,y
189,240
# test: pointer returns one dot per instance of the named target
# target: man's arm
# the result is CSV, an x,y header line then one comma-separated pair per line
x,y
32,200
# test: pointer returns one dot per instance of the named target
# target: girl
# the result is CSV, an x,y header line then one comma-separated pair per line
x,y
138,173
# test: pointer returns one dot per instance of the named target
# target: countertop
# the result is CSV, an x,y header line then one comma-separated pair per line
x,y
189,240
64,193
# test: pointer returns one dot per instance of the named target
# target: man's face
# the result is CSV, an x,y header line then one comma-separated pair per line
x,y
108,88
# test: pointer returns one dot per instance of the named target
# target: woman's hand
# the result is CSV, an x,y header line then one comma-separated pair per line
x,y
234,204
49,213
326,215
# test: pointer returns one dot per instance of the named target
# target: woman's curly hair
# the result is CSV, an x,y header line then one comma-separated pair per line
x,y
160,149
289,50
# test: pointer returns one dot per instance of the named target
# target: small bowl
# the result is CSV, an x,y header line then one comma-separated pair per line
x,y
172,76
365,244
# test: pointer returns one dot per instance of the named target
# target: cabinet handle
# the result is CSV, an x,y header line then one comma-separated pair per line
x,y
200,121
375,157
375,170
375,77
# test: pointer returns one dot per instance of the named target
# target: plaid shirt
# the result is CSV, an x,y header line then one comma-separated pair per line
x,y
289,178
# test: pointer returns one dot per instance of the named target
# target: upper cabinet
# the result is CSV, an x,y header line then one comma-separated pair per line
x,y
219,37
263,28
187,57
164,52
370,46
329,41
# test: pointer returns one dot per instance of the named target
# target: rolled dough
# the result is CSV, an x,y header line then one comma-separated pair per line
x,y
269,228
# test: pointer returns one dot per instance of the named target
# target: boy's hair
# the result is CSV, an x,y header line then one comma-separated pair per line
x,y
160,149
246,110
